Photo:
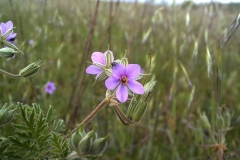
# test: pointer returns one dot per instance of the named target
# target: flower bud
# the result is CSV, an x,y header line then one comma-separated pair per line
x,y
76,137
199,135
85,144
227,119
6,114
109,59
204,121
31,69
139,104
99,146
72,156
7,52
124,61
148,89
139,111
220,121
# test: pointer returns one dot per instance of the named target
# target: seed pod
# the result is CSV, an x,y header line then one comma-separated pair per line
x,y
199,135
31,69
99,146
85,144
6,114
220,122
139,111
124,61
7,52
204,121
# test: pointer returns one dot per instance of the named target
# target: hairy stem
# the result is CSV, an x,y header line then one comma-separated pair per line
x,y
10,74
91,115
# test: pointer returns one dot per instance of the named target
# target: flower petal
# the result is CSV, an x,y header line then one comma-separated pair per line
x,y
11,37
93,70
135,87
122,93
9,24
111,83
98,57
6,26
118,70
132,71
101,76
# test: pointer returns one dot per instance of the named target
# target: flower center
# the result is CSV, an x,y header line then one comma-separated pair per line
x,y
124,80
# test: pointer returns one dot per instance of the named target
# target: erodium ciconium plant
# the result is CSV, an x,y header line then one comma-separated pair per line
x,y
121,80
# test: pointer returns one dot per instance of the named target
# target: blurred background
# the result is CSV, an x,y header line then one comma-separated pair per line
x,y
182,39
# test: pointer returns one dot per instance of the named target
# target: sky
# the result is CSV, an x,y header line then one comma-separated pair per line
x,y
206,1
180,1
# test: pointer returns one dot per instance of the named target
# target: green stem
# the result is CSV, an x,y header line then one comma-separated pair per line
x,y
10,74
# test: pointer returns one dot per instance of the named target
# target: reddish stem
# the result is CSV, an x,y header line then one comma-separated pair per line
x,y
91,115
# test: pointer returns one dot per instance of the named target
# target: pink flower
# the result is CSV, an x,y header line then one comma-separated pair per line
x,y
50,87
124,78
4,27
101,61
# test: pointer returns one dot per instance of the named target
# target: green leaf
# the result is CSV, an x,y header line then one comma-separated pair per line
x,y
49,116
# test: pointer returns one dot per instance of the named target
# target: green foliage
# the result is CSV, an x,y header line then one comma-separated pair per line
x,y
59,147
60,29
37,136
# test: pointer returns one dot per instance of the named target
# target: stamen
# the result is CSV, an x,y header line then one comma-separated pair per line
x,y
124,80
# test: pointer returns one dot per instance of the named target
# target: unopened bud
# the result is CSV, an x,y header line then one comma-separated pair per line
x,y
7,52
220,121
199,135
109,59
148,89
99,146
76,137
138,104
204,121
6,114
139,111
31,69
72,156
124,61
227,119
85,144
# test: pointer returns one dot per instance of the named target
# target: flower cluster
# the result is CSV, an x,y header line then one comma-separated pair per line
x,y
87,145
121,76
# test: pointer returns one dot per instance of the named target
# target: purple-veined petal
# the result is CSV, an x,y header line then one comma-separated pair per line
x,y
98,57
101,76
118,70
122,93
111,83
135,87
93,70
11,37
132,71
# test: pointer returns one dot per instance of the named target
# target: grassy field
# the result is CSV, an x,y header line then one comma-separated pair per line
x,y
183,41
